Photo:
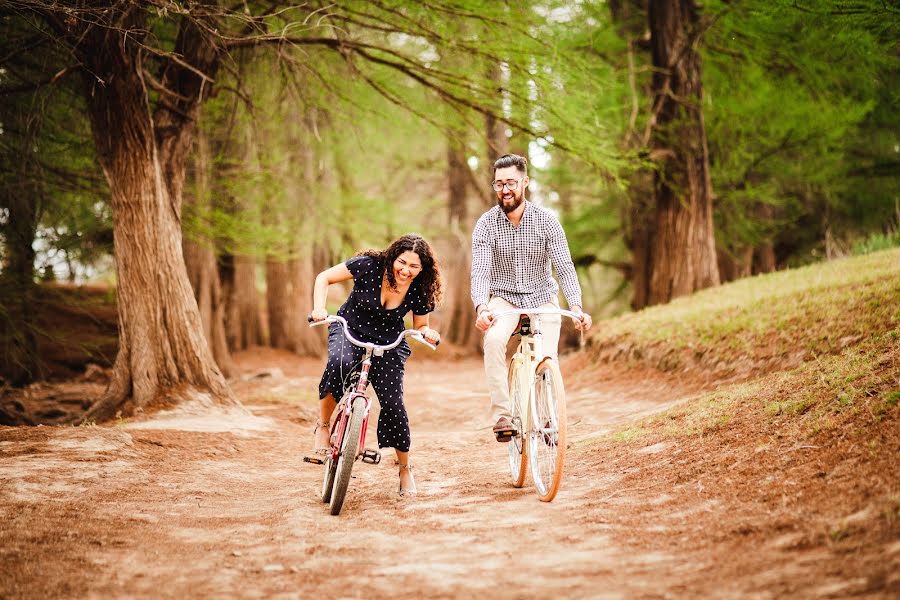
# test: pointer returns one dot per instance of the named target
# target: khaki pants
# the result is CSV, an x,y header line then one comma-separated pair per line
x,y
495,343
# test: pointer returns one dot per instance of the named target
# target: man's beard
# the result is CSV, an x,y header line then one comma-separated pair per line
x,y
517,202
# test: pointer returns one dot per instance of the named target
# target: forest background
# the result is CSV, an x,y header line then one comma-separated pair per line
x,y
206,159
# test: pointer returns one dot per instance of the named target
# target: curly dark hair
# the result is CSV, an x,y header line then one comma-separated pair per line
x,y
429,280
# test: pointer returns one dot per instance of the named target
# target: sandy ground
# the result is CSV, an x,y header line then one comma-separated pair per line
x,y
218,504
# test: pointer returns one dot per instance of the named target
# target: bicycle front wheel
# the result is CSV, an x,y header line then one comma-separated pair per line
x,y
518,398
547,442
349,450
330,464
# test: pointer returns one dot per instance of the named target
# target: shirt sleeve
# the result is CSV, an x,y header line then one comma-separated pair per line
x,y
419,304
361,266
481,263
562,262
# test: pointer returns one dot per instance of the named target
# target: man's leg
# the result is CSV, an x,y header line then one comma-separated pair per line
x,y
495,342
550,326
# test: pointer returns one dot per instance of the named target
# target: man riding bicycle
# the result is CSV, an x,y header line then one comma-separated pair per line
x,y
513,246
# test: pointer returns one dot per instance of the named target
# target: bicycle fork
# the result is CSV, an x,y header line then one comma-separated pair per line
x,y
369,456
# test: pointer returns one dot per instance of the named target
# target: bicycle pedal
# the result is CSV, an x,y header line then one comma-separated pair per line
x,y
504,435
373,457
315,460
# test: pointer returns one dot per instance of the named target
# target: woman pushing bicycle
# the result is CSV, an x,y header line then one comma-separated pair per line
x,y
387,285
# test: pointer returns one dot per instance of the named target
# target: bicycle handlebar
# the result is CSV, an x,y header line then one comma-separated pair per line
x,y
407,333
537,311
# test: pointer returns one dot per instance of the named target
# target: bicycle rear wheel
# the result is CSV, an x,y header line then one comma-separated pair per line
x,y
518,455
547,442
349,450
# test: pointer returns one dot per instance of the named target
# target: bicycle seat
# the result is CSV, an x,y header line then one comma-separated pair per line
x,y
524,326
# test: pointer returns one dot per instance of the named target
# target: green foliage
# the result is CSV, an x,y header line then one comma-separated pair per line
x,y
877,242
797,111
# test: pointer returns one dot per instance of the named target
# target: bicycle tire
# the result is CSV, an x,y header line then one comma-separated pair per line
x,y
349,450
518,453
330,470
548,438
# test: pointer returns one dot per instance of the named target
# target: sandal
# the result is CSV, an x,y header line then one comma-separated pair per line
x,y
319,453
410,492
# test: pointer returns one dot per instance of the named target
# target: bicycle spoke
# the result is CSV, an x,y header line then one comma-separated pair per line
x,y
548,440
516,446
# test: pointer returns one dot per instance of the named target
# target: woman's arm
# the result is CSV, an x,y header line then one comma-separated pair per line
x,y
335,274
420,322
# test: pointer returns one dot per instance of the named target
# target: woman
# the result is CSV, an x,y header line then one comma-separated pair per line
x,y
386,285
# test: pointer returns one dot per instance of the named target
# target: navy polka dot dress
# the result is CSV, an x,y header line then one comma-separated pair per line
x,y
369,321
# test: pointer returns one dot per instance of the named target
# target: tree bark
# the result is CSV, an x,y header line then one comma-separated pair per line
x,y
684,252
456,316
243,325
21,361
639,239
161,343
496,142
278,296
203,272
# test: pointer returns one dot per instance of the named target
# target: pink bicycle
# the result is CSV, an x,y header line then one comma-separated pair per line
x,y
351,418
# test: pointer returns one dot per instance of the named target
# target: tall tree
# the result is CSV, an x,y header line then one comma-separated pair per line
x,y
684,249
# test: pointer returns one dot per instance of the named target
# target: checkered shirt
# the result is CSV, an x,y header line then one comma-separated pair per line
x,y
514,262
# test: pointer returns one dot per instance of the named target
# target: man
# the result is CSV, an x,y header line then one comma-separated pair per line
x,y
513,246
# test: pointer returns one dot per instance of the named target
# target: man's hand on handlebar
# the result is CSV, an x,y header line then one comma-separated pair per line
x,y
485,319
585,323
318,314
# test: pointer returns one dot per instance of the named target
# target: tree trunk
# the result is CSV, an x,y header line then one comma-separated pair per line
x,y
639,239
161,343
764,259
203,273
684,252
278,303
21,361
243,325
456,319
496,142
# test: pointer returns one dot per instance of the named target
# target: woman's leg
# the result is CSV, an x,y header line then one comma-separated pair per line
x,y
407,481
343,359
323,427
386,377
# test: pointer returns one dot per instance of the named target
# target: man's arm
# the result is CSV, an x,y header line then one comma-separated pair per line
x,y
561,258
481,264
565,271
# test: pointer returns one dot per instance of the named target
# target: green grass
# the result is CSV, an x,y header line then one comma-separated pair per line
x,y
815,310
843,315
815,397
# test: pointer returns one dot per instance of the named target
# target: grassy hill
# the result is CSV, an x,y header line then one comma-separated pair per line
x,y
764,323
793,444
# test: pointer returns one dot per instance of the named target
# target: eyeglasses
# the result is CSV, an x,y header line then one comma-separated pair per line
x,y
510,185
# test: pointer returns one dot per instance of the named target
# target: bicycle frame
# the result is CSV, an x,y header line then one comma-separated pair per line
x,y
540,429
530,351
346,407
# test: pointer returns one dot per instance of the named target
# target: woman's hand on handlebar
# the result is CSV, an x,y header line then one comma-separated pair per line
x,y
318,314
431,335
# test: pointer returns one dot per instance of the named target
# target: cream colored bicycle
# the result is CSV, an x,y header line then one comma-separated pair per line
x,y
538,406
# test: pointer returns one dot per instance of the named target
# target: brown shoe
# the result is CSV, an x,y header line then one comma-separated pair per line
x,y
504,429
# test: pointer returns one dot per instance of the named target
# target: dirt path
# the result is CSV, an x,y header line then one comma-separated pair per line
x,y
218,504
